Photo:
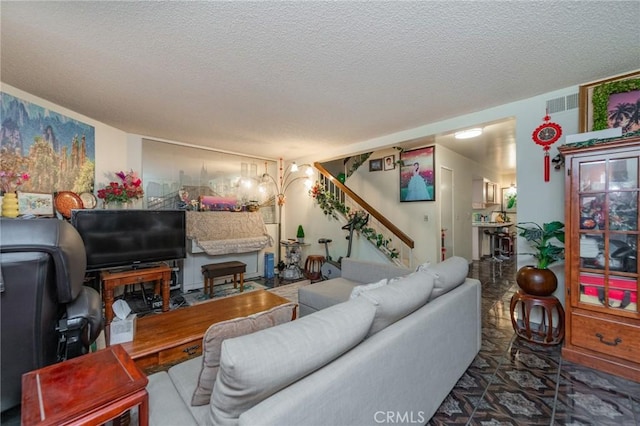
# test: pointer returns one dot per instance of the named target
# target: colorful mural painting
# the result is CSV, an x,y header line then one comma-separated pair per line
x,y
56,151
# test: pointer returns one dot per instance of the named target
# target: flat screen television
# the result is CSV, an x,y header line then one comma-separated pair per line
x,y
130,238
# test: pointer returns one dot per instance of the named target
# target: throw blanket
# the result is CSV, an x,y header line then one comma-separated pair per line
x,y
228,232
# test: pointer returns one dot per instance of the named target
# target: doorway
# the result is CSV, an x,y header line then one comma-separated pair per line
x,y
447,239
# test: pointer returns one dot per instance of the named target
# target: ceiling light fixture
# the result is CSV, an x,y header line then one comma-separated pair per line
x,y
469,133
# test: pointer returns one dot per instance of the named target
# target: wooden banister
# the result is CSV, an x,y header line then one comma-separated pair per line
x,y
365,206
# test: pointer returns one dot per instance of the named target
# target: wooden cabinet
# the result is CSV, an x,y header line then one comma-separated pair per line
x,y
601,274
484,193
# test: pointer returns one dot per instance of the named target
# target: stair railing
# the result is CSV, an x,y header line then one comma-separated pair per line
x,y
399,241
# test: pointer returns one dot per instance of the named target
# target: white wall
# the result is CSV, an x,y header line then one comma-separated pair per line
x,y
538,201
113,150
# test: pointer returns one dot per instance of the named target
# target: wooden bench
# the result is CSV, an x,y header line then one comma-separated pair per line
x,y
212,271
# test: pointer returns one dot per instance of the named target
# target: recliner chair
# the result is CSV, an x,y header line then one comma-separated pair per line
x,y
47,314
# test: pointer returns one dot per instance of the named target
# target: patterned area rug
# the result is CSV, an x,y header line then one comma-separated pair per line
x,y
290,291
220,291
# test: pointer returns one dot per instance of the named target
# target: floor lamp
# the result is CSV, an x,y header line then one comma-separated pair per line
x,y
286,177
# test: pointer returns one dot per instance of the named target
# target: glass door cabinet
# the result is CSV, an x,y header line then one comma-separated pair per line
x,y
601,275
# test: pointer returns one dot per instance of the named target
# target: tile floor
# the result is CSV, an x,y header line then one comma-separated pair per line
x,y
513,382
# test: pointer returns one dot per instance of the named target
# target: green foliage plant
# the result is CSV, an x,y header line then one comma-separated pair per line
x,y
300,233
331,206
540,237
600,99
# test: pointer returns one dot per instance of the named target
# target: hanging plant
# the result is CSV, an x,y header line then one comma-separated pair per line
x,y
331,206
359,161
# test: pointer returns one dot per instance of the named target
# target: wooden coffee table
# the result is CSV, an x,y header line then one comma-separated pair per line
x,y
165,339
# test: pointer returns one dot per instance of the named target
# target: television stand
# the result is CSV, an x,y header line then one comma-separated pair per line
x,y
160,275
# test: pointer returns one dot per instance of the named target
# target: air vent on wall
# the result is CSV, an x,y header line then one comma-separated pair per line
x,y
572,101
563,103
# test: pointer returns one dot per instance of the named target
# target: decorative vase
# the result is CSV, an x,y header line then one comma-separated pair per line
x,y
117,205
10,205
537,282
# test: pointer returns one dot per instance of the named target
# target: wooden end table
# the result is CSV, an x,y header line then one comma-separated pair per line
x,y
89,389
160,275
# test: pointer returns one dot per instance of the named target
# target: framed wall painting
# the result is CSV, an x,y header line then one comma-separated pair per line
x,y
611,102
509,199
390,162
57,151
38,204
417,174
375,165
217,203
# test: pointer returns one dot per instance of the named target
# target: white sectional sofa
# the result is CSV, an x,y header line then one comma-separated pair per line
x,y
390,355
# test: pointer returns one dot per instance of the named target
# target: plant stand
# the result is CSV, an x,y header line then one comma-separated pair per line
x,y
547,332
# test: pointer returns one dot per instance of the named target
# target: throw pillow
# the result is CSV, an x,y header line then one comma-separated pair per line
x,y
217,333
398,299
448,274
359,289
252,368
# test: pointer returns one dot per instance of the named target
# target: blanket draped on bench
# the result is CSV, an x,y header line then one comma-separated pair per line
x,y
228,232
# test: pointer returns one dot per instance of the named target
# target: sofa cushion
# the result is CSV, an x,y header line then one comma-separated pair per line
x,y
165,405
399,298
448,274
218,332
184,376
364,271
359,289
254,367
323,294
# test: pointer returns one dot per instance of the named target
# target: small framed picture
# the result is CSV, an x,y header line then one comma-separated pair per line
x,y
39,204
375,165
390,162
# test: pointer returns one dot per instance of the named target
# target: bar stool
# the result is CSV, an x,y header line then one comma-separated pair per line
x,y
312,267
506,244
503,245
493,236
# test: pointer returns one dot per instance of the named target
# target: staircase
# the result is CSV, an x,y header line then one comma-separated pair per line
x,y
380,231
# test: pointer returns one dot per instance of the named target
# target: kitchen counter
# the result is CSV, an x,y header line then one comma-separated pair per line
x,y
479,239
491,224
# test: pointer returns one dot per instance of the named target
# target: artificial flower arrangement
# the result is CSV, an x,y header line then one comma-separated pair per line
x,y
129,188
11,181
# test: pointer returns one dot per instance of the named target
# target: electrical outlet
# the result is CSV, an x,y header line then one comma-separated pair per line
x,y
426,218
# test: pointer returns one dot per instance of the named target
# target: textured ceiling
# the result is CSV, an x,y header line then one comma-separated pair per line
x,y
298,78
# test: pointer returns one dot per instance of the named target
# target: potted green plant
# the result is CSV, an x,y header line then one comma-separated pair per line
x,y
300,234
539,280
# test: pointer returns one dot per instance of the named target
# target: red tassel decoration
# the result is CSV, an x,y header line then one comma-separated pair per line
x,y
546,166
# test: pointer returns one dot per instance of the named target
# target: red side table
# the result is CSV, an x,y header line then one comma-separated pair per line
x,y
547,332
89,389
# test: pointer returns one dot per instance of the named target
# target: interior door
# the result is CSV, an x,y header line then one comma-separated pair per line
x,y
446,213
